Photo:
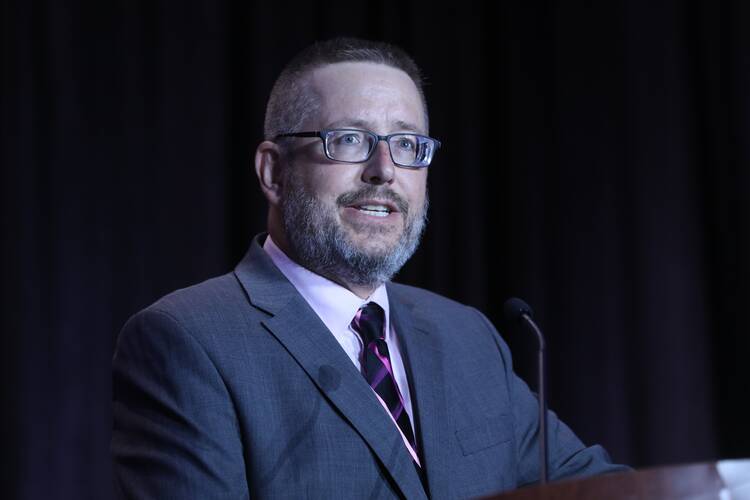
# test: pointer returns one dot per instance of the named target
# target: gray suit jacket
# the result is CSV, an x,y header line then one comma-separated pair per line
x,y
234,388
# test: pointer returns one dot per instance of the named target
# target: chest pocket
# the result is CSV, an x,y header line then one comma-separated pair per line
x,y
485,434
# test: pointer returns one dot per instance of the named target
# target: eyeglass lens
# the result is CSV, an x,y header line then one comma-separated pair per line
x,y
357,145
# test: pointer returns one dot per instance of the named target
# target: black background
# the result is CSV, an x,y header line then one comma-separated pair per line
x,y
595,163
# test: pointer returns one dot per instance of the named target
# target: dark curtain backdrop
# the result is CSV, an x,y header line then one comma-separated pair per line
x,y
595,163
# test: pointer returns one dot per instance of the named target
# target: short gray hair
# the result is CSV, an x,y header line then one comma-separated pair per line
x,y
292,102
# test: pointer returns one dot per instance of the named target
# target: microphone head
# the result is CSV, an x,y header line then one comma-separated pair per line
x,y
514,308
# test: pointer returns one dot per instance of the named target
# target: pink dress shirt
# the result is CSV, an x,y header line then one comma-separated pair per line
x,y
336,307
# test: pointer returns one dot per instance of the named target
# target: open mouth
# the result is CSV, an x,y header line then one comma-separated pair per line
x,y
382,204
374,207
374,210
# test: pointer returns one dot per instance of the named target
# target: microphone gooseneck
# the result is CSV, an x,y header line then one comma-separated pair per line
x,y
515,310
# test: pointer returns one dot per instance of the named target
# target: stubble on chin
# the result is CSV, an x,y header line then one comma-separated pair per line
x,y
355,253
373,239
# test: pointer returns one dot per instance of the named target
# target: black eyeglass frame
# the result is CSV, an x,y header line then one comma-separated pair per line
x,y
323,135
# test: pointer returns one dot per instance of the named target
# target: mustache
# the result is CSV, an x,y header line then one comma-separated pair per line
x,y
371,191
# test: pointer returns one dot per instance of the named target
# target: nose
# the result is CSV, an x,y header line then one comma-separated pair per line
x,y
379,169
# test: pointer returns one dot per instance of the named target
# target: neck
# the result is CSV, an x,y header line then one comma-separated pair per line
x,y
360,290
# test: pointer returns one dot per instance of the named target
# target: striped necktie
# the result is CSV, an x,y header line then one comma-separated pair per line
x,y
376,367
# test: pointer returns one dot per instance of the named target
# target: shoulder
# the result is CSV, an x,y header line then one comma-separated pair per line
x,y
219,293
418,295
426,302
199,311
460,327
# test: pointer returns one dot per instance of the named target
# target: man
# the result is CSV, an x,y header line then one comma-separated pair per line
x,y
306,373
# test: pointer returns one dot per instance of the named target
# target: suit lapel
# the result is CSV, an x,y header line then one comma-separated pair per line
x,y
296,326
421,346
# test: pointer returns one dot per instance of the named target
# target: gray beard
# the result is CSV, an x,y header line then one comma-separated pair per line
x,y
321,245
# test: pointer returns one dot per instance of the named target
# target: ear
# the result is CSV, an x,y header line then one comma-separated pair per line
x,y
268,169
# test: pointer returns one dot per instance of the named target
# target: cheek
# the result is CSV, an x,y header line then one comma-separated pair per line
x,y
416,187
321,185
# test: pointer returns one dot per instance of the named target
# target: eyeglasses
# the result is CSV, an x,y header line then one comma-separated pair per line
x,y
357,146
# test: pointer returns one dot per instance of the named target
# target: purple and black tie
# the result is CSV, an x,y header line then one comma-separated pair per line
x,y
369,323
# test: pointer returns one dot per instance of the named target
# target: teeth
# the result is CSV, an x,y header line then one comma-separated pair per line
x,y
376,211
375,208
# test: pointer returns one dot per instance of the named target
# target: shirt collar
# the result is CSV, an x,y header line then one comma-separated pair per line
x,y
334,304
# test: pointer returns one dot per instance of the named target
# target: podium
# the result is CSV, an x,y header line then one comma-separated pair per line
x,y
723,480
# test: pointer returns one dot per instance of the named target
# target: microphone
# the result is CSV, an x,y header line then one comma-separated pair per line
x,y
517,310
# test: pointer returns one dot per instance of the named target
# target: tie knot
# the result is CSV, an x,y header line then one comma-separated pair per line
x,y
369,322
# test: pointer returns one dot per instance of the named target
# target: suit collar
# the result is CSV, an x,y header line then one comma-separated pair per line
x,y
266,287
335,304
423,352
296,326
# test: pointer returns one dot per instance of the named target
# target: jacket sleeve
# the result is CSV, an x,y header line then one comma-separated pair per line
x,y
568,456
175,431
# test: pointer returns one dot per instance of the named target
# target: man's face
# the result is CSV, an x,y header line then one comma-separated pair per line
x,y
356,223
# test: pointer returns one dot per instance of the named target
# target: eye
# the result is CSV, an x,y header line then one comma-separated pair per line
x,y
406,144
350,139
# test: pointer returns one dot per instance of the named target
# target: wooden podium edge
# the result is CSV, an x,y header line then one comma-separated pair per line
x,y
666,482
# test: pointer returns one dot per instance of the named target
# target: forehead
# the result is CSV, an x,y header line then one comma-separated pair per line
x,y
380,96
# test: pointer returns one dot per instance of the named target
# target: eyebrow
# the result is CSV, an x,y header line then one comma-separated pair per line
x,y
346,123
